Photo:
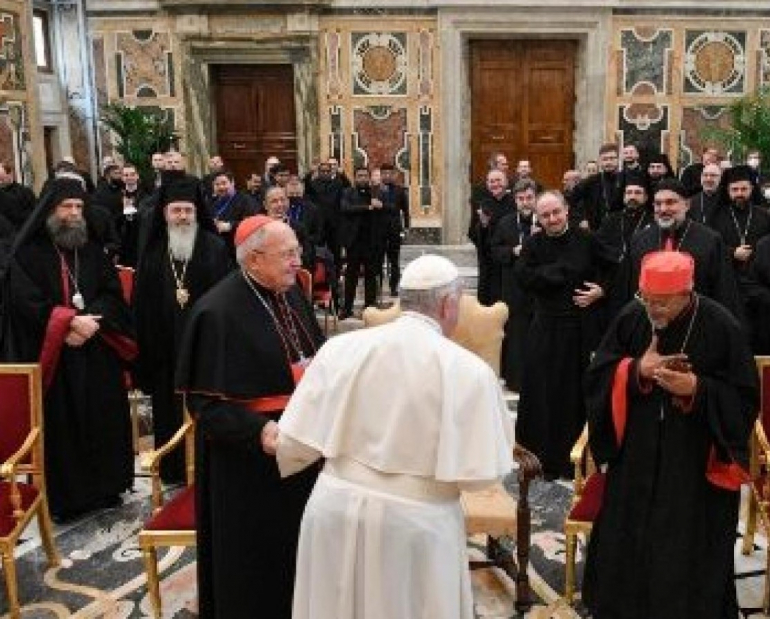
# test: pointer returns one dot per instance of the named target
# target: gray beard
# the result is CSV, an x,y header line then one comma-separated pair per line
x,y
67,235
181,241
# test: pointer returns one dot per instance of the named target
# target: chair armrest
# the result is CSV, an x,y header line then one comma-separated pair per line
x,y
579,448
151,460
529,465
151,463
8,468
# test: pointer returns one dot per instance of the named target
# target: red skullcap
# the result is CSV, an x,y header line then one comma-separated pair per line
x,y
667,272
249,226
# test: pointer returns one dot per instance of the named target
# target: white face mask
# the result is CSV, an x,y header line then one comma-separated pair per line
x,y
753,162
766,193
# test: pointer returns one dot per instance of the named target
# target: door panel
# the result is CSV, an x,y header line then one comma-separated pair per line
x,y
522,100
255,116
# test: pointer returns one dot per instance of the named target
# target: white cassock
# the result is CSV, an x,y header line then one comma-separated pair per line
x,y
405,419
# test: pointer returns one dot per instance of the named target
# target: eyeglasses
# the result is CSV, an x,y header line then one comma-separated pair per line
x,y
286,254
663,303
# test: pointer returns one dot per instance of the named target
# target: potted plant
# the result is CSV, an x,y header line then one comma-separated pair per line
x,y
749,128
138,133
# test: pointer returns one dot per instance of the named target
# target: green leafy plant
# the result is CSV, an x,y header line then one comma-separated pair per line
x,y
749,127
138,133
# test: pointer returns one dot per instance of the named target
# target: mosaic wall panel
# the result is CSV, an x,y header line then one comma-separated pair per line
x,y
646,125
764,57
135,62
380,91
379,63
668,84
380,136
11,57
694,120
714,62
144,64
7,137
646,61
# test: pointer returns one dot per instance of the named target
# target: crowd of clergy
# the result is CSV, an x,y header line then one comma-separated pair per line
x,y
614,286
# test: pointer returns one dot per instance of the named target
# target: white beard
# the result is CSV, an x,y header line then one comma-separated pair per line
x,y
181,240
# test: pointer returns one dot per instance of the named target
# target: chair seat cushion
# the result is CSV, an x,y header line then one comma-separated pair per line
x,y
491,511
28,495
176,515
587,508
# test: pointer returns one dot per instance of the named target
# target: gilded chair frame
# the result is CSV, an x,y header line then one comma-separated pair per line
x,y
581,458
150,540
28,460
759,488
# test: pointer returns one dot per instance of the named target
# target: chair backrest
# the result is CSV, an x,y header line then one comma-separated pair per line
x,y
479,328
126,275
763,367
21,405
320,276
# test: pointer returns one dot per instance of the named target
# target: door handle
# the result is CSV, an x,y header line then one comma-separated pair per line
x,y
497,138
238,146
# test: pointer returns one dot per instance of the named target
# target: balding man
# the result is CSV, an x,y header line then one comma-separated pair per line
x,y
704,203
246,346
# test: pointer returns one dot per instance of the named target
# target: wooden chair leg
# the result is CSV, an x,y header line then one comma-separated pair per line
x,y
153,582
11,584
751,525
523,543
569,561
133,400
46,533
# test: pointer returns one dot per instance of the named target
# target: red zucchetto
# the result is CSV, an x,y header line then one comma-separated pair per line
x,y
667,272
249,226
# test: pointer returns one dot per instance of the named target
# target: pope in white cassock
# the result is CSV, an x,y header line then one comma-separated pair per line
x,y
405,419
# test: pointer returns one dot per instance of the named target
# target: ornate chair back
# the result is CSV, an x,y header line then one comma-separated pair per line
x,y
126,275
479,328
763,367
21,405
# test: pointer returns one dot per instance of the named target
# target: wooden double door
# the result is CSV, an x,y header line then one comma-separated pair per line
x,y
523,104
255,117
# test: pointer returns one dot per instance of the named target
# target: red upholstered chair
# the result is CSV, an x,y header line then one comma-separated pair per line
x,y
21,455
586,502
305,282
126,275
171,523
323,295
759,496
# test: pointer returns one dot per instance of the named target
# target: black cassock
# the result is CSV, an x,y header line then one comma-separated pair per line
x,y
714,276
160,322
662,545
512,231
88,451
743,226
233,356
559,343
616,232
489,279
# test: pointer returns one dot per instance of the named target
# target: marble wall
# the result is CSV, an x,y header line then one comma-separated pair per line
x,y
136,62
378,91
672,76
20,132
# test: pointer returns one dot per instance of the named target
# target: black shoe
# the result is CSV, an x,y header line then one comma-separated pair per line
x,y
394,293
344,314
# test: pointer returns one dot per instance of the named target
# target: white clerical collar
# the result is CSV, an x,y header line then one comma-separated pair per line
x,y
431,322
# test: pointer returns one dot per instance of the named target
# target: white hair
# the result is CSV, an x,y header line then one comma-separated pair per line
x,y
428,301
254,241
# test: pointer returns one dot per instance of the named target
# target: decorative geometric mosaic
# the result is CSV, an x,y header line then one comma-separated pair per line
x,y
764,57
144,66
646,54
333,79
644,124
714,62
694,120
379,135
379,63
11,58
